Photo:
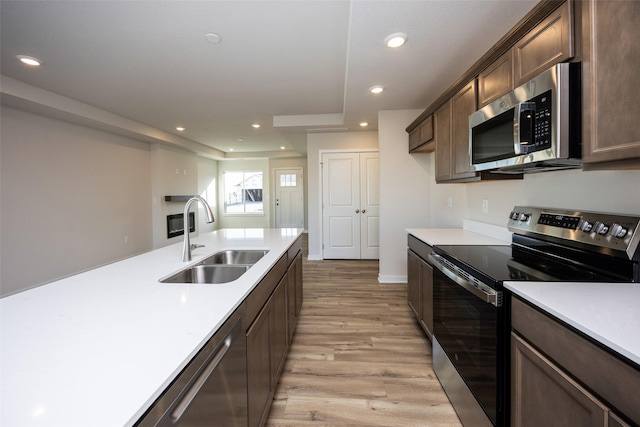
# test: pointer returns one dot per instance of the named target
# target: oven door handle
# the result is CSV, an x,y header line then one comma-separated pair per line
x,y
482,291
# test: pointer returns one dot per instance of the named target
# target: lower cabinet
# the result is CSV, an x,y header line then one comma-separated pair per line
x,y
543,395
268,337
561,379
420,284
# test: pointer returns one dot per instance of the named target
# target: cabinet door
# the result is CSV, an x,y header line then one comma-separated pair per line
x,y
496,80
543,395
259,376
421,137
279,335
611,60
443,142
426,287
299,286
463,104
291,300
549,43
414,297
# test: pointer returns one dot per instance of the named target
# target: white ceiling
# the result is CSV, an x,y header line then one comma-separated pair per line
x,y
302,64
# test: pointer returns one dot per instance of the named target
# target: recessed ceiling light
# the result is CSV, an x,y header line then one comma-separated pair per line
x,y
282,148
231,149
239,139
213,38
376,89
395,40
180,128
255,125
364,124
29,60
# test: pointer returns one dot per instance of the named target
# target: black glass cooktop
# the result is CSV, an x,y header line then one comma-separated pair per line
x,y
505,263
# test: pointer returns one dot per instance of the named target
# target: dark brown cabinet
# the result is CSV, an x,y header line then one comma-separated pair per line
x,y
452,136
543,395
442,118
421,138
294,293
496,80
560,378
549,43
611,60
414,290
272,311
420,284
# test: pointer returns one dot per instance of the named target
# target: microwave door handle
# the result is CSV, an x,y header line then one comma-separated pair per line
x,y
523,118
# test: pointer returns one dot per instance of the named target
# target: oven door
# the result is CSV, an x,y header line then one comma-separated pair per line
x,y
467,321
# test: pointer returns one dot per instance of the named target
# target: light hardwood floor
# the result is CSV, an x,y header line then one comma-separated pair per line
x,y
358,357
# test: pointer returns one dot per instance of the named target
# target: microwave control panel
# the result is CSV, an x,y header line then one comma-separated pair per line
x,y
542,121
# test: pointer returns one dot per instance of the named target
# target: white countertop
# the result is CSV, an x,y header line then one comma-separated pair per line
x,y
99,347
607,312
454,236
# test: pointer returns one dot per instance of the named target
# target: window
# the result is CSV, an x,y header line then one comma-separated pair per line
x,y
288,180
243,192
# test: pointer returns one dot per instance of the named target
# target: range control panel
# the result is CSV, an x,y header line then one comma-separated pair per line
x,y
604,230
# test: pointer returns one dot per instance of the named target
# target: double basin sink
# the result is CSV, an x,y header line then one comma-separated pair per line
x,y
221,267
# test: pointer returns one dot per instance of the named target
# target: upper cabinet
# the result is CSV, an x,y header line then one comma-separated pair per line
x,y
611,60
549,43
421,138
451,121
496,80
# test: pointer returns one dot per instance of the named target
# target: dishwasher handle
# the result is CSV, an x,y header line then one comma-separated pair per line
x,y
188,397
477,288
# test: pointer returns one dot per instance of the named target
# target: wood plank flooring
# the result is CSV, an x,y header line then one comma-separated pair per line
x,y
358,357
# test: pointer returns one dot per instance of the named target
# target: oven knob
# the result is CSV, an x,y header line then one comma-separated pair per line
x,y
618,231
601,228
514,215
586,226
523,217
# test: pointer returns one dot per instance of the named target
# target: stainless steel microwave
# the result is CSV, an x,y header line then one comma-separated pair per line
x,y
534,128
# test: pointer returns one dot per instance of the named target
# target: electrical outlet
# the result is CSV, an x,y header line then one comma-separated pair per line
x,y
126,240
485,206
450,202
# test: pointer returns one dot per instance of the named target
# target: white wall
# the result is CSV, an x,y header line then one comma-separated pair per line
x,y
69,197
327,142
208,189
404,192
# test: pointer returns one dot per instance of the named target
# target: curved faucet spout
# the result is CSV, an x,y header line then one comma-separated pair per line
x,y
186,247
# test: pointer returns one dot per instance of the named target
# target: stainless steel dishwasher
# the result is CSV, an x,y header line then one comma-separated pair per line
x,y
212,389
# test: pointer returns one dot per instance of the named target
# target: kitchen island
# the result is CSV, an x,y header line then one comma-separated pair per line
x,y
99,347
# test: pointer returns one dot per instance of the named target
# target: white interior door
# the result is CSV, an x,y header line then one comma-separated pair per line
x,y
289,199
350,205
341,205
369,206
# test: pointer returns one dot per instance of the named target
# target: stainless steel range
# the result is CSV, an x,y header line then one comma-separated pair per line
x,y
471,318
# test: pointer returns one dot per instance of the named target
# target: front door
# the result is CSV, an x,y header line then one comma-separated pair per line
x,y
289,207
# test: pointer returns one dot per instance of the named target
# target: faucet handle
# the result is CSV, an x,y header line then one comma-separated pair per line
x,y
194,246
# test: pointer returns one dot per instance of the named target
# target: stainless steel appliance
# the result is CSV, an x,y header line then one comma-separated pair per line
x,y
534,128
471,317
212,389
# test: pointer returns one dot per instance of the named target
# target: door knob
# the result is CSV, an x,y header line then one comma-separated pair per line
x,y
357,210
363,211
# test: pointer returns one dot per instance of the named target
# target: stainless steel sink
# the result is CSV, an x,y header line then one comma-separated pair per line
x,y
211,274
221,267
248,257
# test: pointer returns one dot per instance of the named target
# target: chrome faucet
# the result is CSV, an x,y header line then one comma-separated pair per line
x,y
186,248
